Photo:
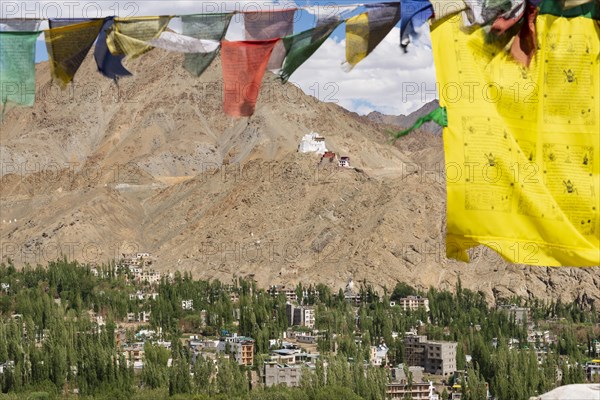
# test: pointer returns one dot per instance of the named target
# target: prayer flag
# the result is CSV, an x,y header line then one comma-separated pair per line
x,y
413,13
301,46
204,26
129,36
522,145
68,46
17,67
244,65
266,25
108,64
365,31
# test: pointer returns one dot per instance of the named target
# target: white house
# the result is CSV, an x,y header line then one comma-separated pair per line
x,y
312,143
187,304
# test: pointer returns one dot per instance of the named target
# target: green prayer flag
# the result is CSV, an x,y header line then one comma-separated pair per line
x,y
438,116
17,67
301,46
571,9
203,26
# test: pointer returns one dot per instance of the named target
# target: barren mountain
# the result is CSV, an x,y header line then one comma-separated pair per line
x,y
406,121
154,165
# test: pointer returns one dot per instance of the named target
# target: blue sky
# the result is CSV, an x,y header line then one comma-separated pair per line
x,y
388,81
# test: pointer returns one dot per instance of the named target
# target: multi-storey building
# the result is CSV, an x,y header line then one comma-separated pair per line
x,y
296,315
436,357
413,303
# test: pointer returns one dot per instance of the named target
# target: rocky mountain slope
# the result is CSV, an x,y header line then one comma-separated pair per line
x,y
406,121
153,165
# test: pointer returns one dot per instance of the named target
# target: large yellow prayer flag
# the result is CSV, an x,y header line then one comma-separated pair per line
x,y
522,144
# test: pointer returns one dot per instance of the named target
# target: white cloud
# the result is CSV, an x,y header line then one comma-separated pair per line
x,y
388,80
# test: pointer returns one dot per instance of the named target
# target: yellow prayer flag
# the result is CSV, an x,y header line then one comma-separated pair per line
x,y
522,145
365,31
68,46
357,38
129,36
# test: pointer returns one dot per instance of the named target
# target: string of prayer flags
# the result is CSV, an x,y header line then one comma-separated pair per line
x,y
130,36
17,67
244,65
109,65
68,43
266,25
524,162
301,46
203,26
413,14
365,31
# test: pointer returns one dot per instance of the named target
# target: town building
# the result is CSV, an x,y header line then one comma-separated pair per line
x,y
241,347
300,316
436,357
137,259
416,391
134,355
413,303
290,293
378,355
187,305
282,374
520,314
142,316
401,387
344,162
592,371
151,277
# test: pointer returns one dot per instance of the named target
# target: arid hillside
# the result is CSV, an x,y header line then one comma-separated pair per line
x,y
152,164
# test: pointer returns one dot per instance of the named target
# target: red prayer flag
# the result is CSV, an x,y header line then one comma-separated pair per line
x,y
244,65
524,44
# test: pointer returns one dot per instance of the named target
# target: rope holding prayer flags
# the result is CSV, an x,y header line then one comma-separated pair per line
x,y
266,25
244,65
17,67
68,42
204,26
301,46
130,36
365,31
108,64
